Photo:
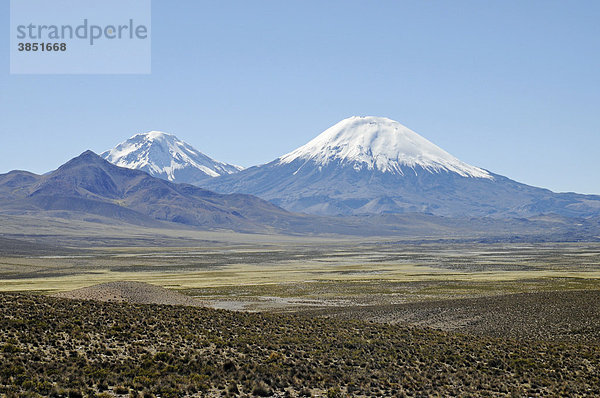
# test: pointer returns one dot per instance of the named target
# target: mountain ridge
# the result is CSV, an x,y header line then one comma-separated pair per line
x,y
90,184
91,191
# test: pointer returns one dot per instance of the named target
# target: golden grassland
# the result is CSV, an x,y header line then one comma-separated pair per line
x,y
327,270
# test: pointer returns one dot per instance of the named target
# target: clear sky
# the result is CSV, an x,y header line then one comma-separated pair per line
x,y
510,86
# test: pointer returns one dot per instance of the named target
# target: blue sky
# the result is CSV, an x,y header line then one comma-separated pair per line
x,y
510,86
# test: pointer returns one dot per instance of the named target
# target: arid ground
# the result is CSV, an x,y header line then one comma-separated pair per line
x,y
320,317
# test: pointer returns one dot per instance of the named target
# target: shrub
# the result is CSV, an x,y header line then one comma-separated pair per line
x,y
228,366
261,390
233,389
10,348
75,394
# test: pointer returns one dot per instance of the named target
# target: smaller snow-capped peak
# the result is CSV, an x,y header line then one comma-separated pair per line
x,y
166,156
379,143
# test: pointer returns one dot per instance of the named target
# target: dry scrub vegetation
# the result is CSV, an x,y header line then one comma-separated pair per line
x,y
58,347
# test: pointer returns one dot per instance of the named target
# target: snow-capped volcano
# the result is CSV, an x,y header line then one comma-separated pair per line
x,y
374,165
378,143
165,156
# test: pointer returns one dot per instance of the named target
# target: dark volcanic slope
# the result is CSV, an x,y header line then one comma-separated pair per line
x,y
340,189
92,185
57,347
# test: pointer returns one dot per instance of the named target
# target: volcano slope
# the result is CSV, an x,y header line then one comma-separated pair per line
x,y
375,165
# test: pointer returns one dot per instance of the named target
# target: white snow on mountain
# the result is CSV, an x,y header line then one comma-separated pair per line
x,y
382,144
164,155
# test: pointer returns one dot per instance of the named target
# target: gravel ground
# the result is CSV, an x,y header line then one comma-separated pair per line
x,y
570,316
561,316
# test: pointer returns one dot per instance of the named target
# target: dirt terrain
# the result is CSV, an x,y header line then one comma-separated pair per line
x,y
561,316
572,316
130,292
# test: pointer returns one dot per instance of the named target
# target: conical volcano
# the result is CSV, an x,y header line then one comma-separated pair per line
x,y
375,165
381,144
165,156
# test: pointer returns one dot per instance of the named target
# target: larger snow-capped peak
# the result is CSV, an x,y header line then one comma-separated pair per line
x,y
382,144
166,156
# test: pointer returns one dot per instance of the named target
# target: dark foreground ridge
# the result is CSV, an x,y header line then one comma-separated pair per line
x,y
59,347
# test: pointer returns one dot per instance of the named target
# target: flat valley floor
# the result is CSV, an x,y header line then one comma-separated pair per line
x,y
363,317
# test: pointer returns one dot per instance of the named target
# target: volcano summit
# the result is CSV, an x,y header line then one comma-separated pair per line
x,y
165,156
